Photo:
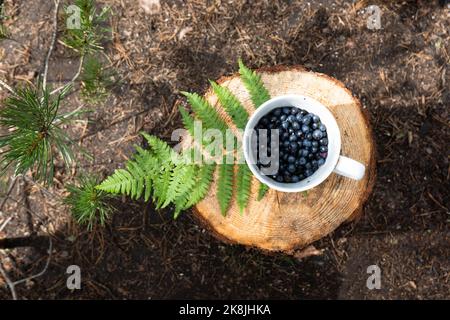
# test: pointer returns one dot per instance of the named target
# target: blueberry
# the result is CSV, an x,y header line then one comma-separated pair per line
x,y
286,110
292,137
315,118
285,135
299,142
308,165
294,110
299,116
279,179
273,119
277,112
291,168
315,125
317,134
285,125
314,150
304,152
264,121
295,179
307,143
283,117
286,143
291,118
324,155
308,172
285,157
324,141
291,159
323,149
287,178
295,125
305,128
311,156
306,119
302,161
320,162
301,176
315,144
299,134
309,136
294,146
322,127
290,130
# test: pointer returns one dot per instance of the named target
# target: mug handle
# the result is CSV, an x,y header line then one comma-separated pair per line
x,y
350,168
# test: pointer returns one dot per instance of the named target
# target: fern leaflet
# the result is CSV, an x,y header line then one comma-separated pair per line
x,y
225,186
231,104
263,188
244,180
254,85
205,112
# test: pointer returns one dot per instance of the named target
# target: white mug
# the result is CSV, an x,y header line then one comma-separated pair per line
x,y
333,163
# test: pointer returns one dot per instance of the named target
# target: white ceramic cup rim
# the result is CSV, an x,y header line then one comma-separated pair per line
x,y
333,135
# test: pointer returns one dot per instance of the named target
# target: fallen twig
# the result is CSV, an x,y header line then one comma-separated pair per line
x,y
12,285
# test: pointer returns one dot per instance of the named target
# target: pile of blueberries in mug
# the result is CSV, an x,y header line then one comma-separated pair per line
x,y
303,143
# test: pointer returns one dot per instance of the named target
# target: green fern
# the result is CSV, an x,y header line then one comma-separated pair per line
x,y
188,120
203,182
244,181
205,112
231,104
163,175
225,186
263,188
254,85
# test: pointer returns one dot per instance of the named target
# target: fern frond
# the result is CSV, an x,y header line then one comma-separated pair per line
x,y
225,186
160,149
252,81
161,185
181,182
205,112
243,184
231,104
188,120
263,188
205,176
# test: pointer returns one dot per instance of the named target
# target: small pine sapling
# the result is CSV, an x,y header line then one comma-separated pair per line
x,y
34,132
87,204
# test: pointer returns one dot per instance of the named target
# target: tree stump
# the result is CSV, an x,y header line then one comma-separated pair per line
x,y
290,221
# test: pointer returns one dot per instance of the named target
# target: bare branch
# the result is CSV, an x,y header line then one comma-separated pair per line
x,y
52,43
12,285
75,77
8,193
8,282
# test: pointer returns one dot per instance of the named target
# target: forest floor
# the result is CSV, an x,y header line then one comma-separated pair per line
x,y
399,72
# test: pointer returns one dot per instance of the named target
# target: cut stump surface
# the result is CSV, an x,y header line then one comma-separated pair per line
x,y
290,221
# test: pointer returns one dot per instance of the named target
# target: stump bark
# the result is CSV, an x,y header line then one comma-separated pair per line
x,y
290,221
